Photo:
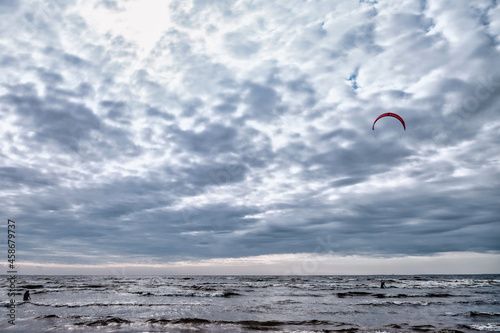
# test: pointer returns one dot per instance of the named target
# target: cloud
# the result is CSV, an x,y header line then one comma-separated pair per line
x,y
17,177
243,129
52,120
110,4
239,45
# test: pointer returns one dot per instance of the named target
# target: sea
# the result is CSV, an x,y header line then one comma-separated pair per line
x,y
423,303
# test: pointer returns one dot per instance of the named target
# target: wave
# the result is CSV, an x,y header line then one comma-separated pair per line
x,y
193,323
105,321
492,327
97,304
253,324
353,293
191,294
400,303
483,314
48,316
246,324
32,286
383,295
288,301
481,302
178,321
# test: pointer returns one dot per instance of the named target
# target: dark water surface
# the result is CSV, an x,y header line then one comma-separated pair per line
x,y
429,303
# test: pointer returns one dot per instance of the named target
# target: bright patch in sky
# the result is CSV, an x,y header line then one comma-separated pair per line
x,y
142,22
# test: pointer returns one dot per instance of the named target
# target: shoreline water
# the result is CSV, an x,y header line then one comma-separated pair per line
x,y
337,303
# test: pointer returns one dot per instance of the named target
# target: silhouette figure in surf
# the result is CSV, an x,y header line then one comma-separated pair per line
x,y
26,296
382,284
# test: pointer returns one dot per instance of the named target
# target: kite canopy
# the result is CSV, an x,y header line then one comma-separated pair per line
x,y
390,115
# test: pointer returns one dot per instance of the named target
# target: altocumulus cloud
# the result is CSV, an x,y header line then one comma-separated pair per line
x,y
193,131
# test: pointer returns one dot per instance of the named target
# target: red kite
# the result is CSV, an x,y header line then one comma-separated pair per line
x,y
390,115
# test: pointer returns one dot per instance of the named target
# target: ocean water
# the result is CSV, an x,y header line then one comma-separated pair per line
x,y
429,303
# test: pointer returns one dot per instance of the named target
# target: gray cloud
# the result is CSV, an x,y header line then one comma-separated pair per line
x,y
215,138
16,177
53,120
244,129
9,5
240,46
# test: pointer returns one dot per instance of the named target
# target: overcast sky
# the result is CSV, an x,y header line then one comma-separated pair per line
x,y
221,136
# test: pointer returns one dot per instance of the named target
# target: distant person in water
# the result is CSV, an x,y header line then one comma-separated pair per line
x,y
382,284
26,296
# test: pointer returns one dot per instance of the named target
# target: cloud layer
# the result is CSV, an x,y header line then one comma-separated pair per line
x,y
146,132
